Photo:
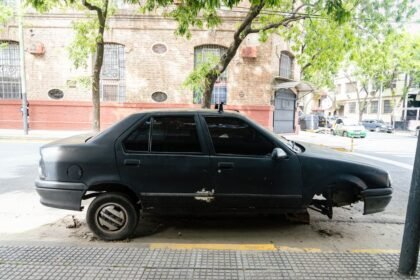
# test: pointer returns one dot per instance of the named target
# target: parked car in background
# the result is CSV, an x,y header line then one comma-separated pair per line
x,y
199,162
322,121
331,121
348,128
378,126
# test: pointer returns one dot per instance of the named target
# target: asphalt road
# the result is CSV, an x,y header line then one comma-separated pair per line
x,y
24,219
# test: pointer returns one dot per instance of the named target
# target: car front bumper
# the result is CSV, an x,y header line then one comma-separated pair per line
x,y
356,134
376,200
63,195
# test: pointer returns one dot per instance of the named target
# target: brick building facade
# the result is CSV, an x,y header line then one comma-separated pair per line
x,y
144,68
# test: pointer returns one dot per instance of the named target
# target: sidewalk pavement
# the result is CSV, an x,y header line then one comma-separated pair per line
x,y
42,262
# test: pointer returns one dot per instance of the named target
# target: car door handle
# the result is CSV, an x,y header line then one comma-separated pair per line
x,y
132,162
225,165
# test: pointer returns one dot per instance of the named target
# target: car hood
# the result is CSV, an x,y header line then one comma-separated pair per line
x,y
326,166
73,140
354,127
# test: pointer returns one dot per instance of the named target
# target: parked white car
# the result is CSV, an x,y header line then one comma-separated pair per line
x,y
349,128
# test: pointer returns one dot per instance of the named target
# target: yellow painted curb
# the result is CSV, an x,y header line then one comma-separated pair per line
x,y
260,247
375,251
299,250
235,247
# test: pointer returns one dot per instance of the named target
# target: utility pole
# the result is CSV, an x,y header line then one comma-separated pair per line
x,y
22,68
406,84
411,239
380,103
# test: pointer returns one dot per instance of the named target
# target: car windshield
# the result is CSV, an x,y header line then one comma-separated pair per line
x,y
351,122
291,144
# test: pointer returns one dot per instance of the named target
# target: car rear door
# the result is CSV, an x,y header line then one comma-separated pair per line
x,y
244,174
164,159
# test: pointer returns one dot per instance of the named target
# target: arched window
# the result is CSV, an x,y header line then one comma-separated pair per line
x,y
205,53
286,65
10,87
112,85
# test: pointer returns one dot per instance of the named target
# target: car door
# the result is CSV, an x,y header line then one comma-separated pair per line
x,y
163,158
339,127
244,174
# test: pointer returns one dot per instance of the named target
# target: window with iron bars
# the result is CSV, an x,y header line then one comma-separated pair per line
x,y
387,107
203,54
10,83
373,107
351,87
352,107
112,85
286,65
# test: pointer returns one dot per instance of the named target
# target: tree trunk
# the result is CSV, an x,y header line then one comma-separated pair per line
x,y
240,34
96,100
243,30
96,124
210,81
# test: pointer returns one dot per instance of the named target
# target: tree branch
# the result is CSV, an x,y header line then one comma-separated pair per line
x,y
91,6
252,14
283,22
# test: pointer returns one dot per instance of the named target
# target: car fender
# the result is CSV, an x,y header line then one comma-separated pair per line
x,y
347,179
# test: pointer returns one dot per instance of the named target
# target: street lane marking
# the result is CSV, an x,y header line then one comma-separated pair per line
x,y
393,162
235,247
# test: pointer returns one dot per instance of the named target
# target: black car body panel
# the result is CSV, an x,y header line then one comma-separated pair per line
x,y
202,180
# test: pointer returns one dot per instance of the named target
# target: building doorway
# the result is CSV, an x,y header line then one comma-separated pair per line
x,y
284,111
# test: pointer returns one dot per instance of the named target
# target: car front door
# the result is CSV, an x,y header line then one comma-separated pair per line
x,y
163,158
244,173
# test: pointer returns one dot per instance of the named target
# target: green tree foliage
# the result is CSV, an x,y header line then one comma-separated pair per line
x,y
263,17
378,62
88,39
323,33
5,13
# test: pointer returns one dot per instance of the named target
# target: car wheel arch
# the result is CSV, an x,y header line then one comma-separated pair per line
x,y
100,188
346,182
342,182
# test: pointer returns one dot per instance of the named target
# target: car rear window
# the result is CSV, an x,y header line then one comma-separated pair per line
x,y
175,135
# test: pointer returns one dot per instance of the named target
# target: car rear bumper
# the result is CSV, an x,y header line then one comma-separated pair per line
x,y
64,195
376,200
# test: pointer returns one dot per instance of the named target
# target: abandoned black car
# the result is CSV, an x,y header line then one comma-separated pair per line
x,y
201,162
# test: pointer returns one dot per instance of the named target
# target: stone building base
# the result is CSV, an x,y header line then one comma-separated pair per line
x,y
76,115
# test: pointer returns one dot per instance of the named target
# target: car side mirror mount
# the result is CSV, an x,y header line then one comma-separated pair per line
x,y
278,153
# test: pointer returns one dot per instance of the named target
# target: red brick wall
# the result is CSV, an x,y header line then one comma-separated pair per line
x,y
75,115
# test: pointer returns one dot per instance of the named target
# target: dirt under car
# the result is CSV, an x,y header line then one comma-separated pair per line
x,y
198,162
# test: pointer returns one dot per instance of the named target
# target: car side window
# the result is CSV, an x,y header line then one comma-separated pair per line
x,y
138,140
175,134
234,136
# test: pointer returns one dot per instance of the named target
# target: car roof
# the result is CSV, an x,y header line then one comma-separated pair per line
x,y
189,111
